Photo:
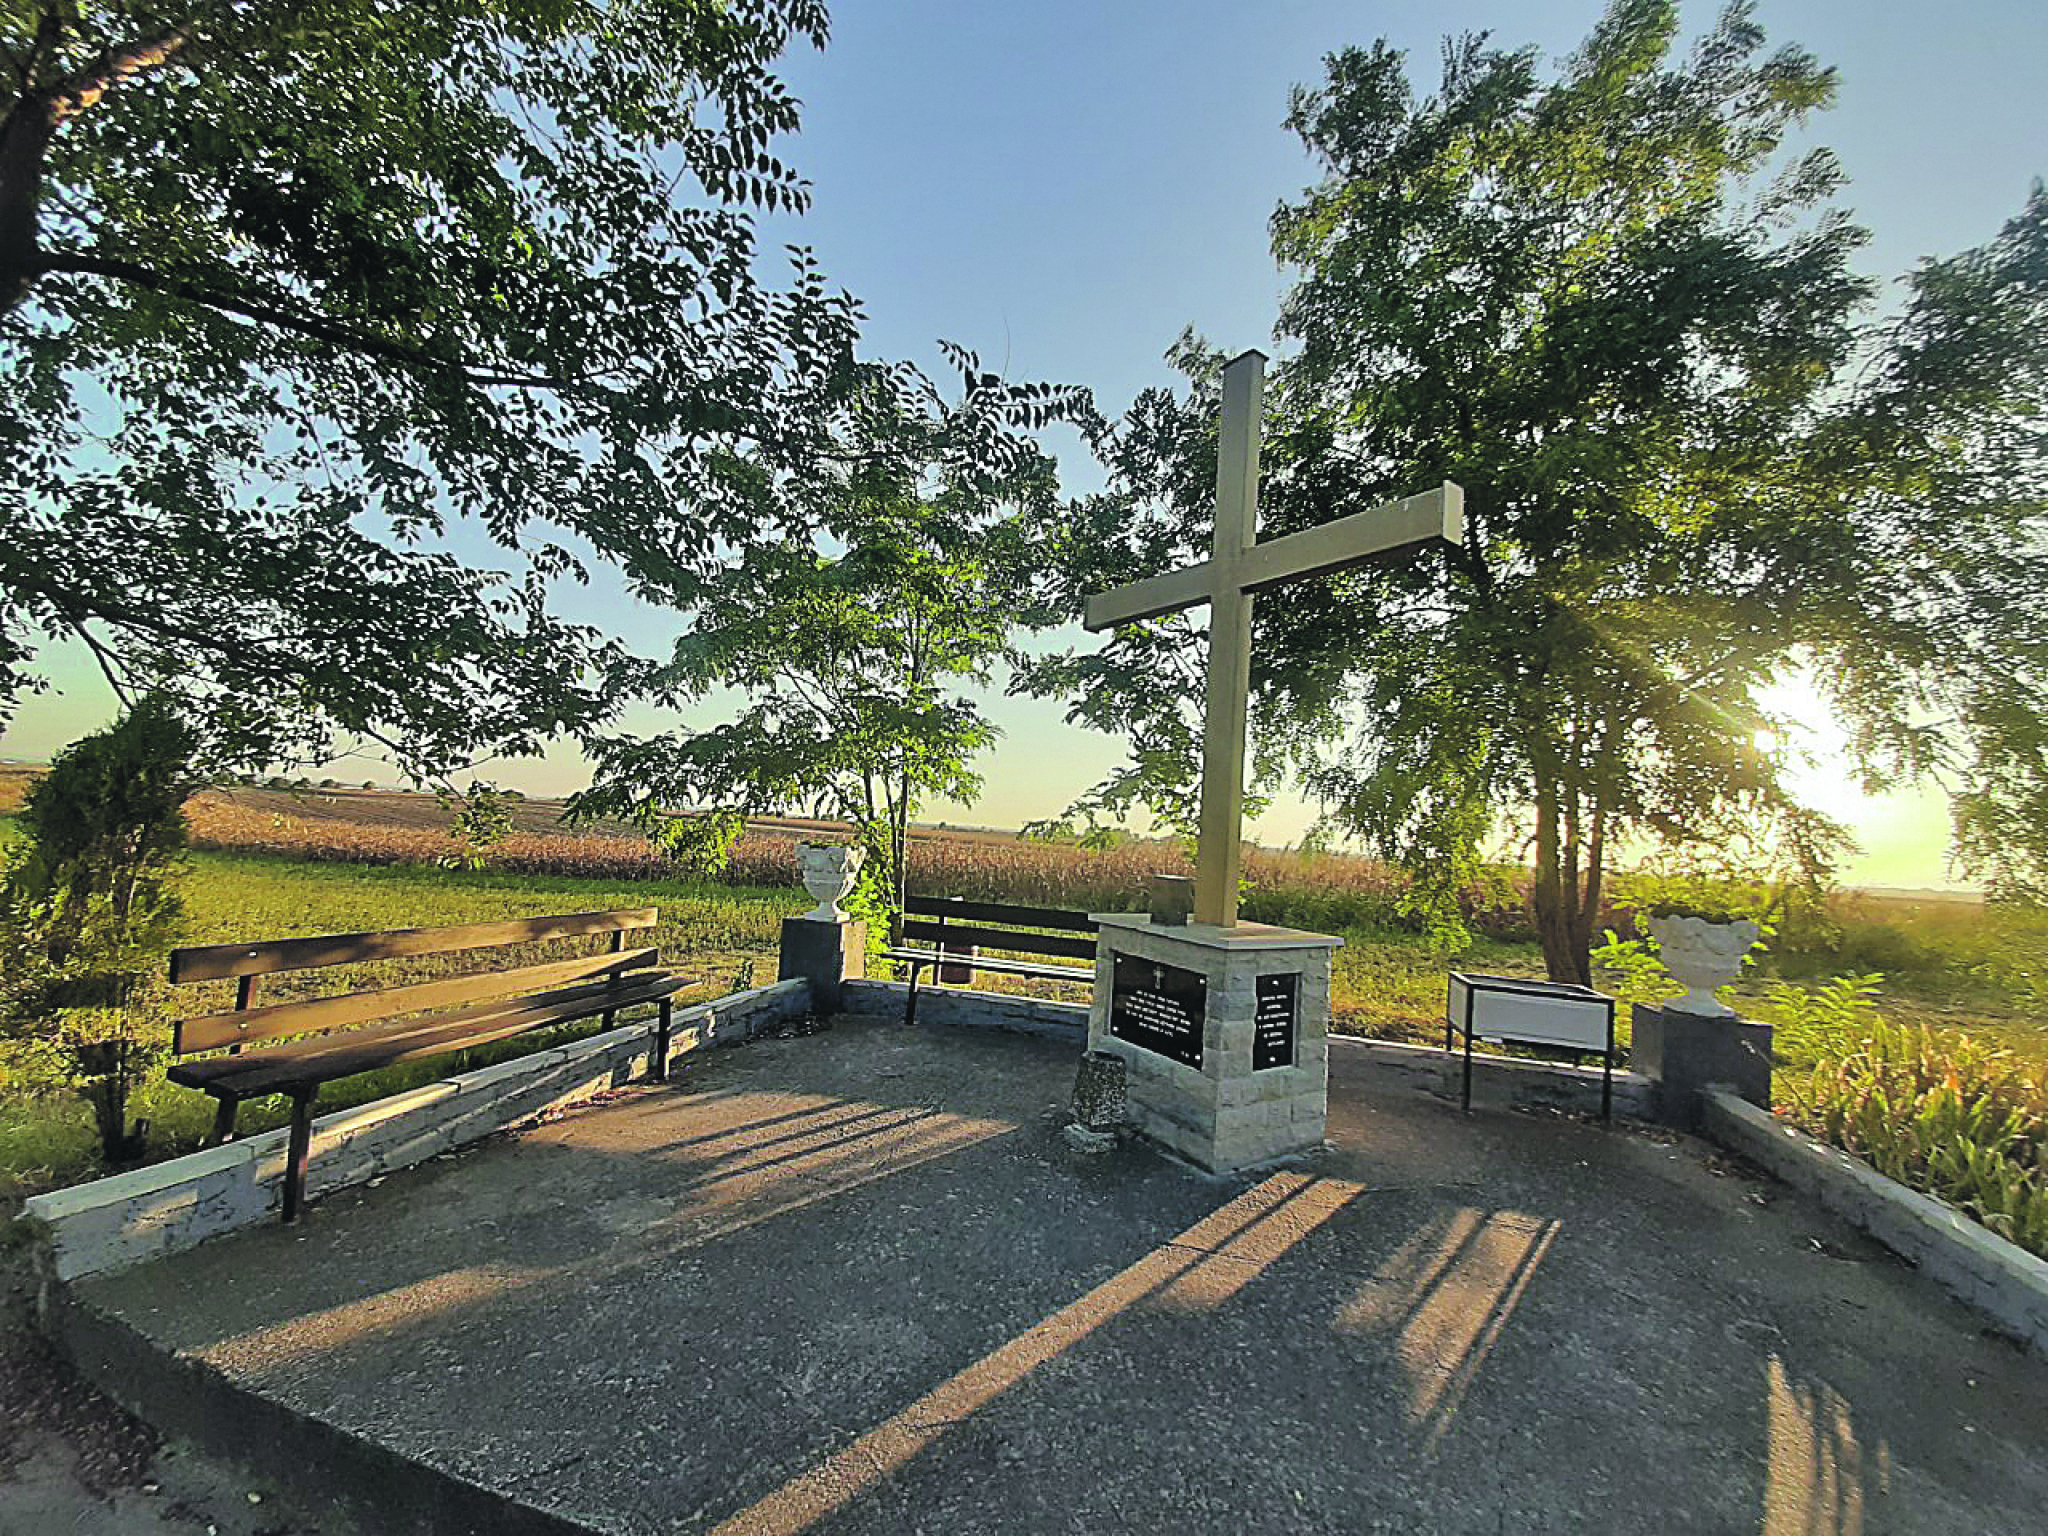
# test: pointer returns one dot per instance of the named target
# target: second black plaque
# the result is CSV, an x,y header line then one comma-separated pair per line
x,y
1273,1021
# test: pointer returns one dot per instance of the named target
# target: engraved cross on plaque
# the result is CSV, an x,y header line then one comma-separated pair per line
x,y
1226,581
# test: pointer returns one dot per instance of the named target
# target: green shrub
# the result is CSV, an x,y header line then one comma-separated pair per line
x,y
1938,1111
89,910
1816,1025
478,822
1631,970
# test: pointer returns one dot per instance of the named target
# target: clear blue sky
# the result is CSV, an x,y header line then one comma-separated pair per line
x,y
1063,186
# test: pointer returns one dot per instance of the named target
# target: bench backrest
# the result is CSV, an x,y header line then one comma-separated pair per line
x,y
954,923
246,1022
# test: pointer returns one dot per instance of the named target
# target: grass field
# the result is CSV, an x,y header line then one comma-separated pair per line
x,y
275,864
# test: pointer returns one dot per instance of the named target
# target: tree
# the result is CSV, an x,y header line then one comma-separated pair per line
x,y
298,299
850,663
89,909
1609,308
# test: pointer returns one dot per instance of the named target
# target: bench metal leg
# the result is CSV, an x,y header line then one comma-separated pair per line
x,y
659,1073
295,1158
910,1008
223,1122
1607,1072
1471,998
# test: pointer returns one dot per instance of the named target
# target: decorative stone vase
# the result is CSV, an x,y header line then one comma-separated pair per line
x,y
1702,954
1100,1095
828,871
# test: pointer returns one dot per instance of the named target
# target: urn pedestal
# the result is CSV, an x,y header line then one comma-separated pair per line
x,y
825,946
1686,1052
824,954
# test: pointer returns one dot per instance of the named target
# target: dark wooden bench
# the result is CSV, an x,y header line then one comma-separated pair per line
x,y
339,1036
958,928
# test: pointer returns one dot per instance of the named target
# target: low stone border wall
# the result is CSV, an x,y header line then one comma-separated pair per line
x,y
970,1010
111,1223
1973,1263
341,1480
1496,1080
1504,1080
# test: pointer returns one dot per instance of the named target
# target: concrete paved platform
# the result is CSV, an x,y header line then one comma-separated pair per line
x,y
856,1282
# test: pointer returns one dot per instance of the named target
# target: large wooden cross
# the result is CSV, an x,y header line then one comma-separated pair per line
x,y
1226,581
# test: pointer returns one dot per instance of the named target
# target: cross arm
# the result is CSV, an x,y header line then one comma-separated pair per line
x,y
1147,599
1393,531
1390,532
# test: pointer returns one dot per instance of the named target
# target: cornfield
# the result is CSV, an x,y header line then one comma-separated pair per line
x,y
1316,891
222,824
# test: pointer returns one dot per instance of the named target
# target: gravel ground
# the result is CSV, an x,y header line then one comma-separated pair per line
x,y
72,1463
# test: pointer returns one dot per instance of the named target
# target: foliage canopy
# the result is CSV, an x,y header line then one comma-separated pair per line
x,y
1613,309
850,663
301,303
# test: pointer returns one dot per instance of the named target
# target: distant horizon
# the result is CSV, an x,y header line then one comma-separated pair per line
x,y
1961,893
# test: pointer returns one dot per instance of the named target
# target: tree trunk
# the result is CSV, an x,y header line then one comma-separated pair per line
x,y
899,854
24,147
107,1090
1555,897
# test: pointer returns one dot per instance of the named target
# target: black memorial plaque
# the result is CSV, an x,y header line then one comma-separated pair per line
x,y
1274,1000
1159,1007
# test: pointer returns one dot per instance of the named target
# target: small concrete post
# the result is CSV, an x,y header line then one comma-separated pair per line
x,y
1688,1052
824,955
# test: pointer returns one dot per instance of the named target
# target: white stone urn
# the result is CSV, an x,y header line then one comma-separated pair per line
x,y
1702,954
828,871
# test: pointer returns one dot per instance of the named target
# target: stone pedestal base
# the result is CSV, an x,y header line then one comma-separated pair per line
x,y
1686,1052
824,954
1094,1143
1225,1032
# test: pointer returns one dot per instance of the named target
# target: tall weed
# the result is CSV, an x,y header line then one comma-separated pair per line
x,y
1938,1111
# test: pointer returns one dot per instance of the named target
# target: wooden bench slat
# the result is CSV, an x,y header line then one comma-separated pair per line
x,y
219,1068
283,1067
215,962
1000,912
1070,945
1011,967
210,1031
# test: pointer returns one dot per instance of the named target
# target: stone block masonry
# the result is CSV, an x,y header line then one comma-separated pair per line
x,y
1257,1089
170,1206
967,1009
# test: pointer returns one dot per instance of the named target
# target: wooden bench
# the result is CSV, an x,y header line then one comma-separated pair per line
x,y
958,928
355,1032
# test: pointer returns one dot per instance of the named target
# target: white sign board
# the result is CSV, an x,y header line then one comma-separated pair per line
x,y
1508,1009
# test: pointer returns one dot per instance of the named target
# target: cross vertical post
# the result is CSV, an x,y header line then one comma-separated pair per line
x,y
1239,566
1219,851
